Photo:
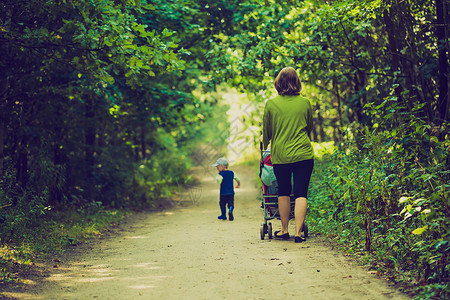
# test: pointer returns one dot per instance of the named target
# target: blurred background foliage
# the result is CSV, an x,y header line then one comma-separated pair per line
x,y
106,105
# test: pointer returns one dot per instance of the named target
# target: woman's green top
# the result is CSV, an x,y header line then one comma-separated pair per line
x,y
287,124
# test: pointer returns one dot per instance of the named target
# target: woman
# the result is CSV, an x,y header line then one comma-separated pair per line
x,y
287,124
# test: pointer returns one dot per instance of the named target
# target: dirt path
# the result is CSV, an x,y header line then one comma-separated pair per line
x,y
186,253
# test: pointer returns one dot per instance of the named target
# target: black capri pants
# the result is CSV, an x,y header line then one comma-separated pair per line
x,y
300,174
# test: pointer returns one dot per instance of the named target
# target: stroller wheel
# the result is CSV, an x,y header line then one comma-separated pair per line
x,y
262,231
269,229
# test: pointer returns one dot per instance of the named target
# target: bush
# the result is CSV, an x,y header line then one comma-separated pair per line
x,y
388,190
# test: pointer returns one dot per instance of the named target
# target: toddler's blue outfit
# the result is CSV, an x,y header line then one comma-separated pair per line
x,y
225,179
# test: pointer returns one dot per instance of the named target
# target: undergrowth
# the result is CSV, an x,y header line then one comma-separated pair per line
x,y
50,234
385,200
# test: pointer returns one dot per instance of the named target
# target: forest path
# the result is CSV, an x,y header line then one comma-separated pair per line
x,y
187,253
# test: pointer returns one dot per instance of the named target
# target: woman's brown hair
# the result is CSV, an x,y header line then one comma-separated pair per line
x,y
287,82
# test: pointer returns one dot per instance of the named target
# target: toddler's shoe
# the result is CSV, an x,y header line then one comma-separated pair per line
x,y
230,213
222,217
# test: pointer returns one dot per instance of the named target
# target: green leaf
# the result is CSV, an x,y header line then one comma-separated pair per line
x,y
403,199
167,33
434,139
419,230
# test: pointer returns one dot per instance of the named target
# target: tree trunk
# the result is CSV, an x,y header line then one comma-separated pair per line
x,y
314,132
143,144
2,139
336,134
4,83
395,45
358,106
411,61
136,149
56,193
338,107
22,161
368,244
442,36
89,148
319,137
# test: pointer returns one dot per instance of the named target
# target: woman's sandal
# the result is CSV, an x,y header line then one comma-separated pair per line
x,y
283,236
299,239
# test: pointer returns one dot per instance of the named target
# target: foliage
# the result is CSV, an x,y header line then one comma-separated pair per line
x,y
353,51
156,177
390,195
107,103
80,107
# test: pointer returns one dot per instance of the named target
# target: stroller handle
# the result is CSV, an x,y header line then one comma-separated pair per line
x,y
261,162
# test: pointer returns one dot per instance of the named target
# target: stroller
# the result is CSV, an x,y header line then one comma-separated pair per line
x,y
269,201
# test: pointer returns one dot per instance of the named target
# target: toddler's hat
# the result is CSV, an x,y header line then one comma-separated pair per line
x,y
221,161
